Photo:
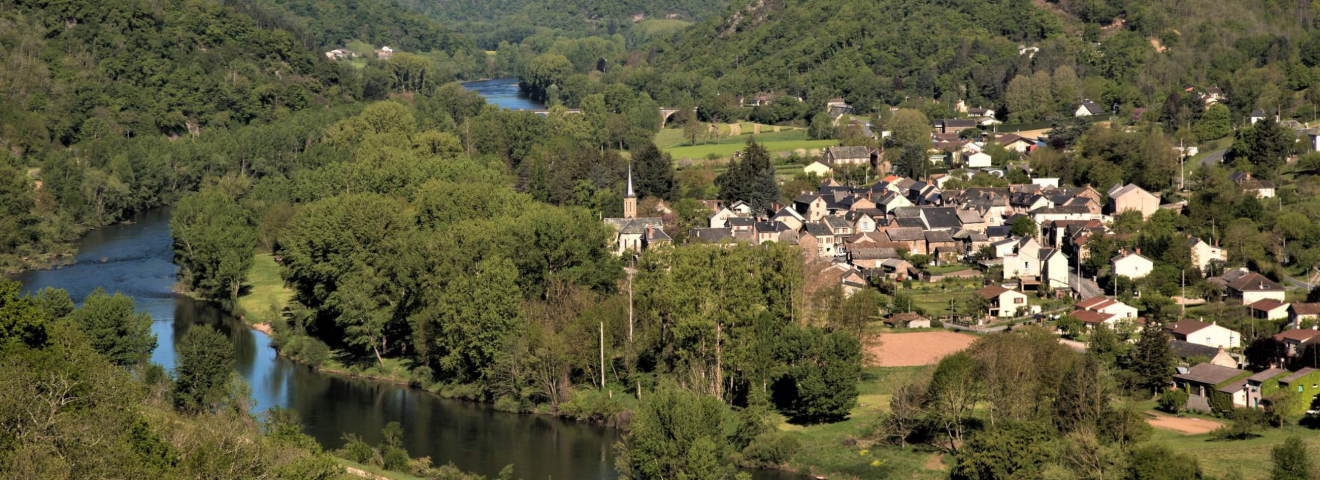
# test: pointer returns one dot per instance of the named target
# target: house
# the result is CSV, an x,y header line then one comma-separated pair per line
x,y
1204,380
835,156
720,218
770,231
1296,339
1004,302
811,206
1201,333
1094,319
874,258
710,235
741,208
1025,261
1253,287
817,238
1304,382
1124,198
978,160
1268,309
1259,188
385,53
1193,354
907,320
818,169
1263,384
1015,143
953,125
1257,115
1212,96
1300,314
1053,268
1204,254
1132,265
1108,306
789,217
1088,108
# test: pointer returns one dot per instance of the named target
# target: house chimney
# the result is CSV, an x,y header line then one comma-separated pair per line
x,y
1138,250
650,231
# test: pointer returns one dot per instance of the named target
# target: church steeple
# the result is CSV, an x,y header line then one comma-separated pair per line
x,y
630,198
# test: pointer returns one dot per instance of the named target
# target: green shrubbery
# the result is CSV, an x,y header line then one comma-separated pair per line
x,y
1173,401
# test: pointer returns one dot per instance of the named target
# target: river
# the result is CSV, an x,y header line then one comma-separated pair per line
x,y
504,93
135,258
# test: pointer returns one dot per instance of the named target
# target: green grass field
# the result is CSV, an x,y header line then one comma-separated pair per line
x,y
671,140
841,450
266,289
1250,458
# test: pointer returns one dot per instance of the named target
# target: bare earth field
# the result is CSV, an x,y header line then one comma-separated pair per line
x,y
916,348
1184,425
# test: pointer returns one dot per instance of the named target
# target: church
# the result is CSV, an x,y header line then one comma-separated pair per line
x,y
635,234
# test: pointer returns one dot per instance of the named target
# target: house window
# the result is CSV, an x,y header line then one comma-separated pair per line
x,y
1019,301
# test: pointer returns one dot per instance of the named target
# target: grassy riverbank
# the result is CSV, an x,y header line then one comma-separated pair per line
x,y
265,294
846,449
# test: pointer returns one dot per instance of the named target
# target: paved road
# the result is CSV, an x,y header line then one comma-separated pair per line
x,y
1295,283
1088,288
1213,157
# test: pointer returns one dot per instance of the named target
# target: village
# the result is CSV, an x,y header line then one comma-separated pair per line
x,y
986,259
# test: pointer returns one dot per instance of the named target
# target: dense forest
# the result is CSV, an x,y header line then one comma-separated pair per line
x,y
80,400
513,21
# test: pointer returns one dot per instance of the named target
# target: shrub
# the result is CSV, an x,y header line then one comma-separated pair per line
x,y
770,450
314,352
506,403
591,407
1245,423
356,450
1173,401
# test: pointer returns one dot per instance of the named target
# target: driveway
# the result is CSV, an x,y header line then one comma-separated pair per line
x,y
1213,157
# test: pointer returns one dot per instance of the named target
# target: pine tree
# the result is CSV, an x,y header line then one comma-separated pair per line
x,y
1152,360
653,174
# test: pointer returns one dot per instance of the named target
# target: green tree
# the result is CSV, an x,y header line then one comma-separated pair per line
x,y
675,435
1158,462
204,364
1151,360
1291,461
214,243
653,174
821,382
1023,226
1214,124
910,128
20,319
1005,450
114,329
750,179
954,391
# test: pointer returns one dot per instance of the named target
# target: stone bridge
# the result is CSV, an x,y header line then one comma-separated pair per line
x,y
665,113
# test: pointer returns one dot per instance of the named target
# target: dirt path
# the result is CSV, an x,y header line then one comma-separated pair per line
x,y
915,348
1183,425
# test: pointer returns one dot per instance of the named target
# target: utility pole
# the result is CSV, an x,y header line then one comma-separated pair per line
x,y
602,355
630,308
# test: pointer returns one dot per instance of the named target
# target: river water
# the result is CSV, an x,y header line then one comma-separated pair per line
x,y
504,93
135,258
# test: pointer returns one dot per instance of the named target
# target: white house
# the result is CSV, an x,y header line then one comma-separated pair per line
x,y
1108,306
1204,253
1054,268
978,160
1253,287
1201,333
720,218
1132,265
1004,302
1087,109
819,169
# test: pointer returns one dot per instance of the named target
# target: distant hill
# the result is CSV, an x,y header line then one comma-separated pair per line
x,y
489,22
1126,52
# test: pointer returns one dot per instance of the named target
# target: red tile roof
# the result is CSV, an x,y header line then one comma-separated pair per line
x,y
1298,335
1186,327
